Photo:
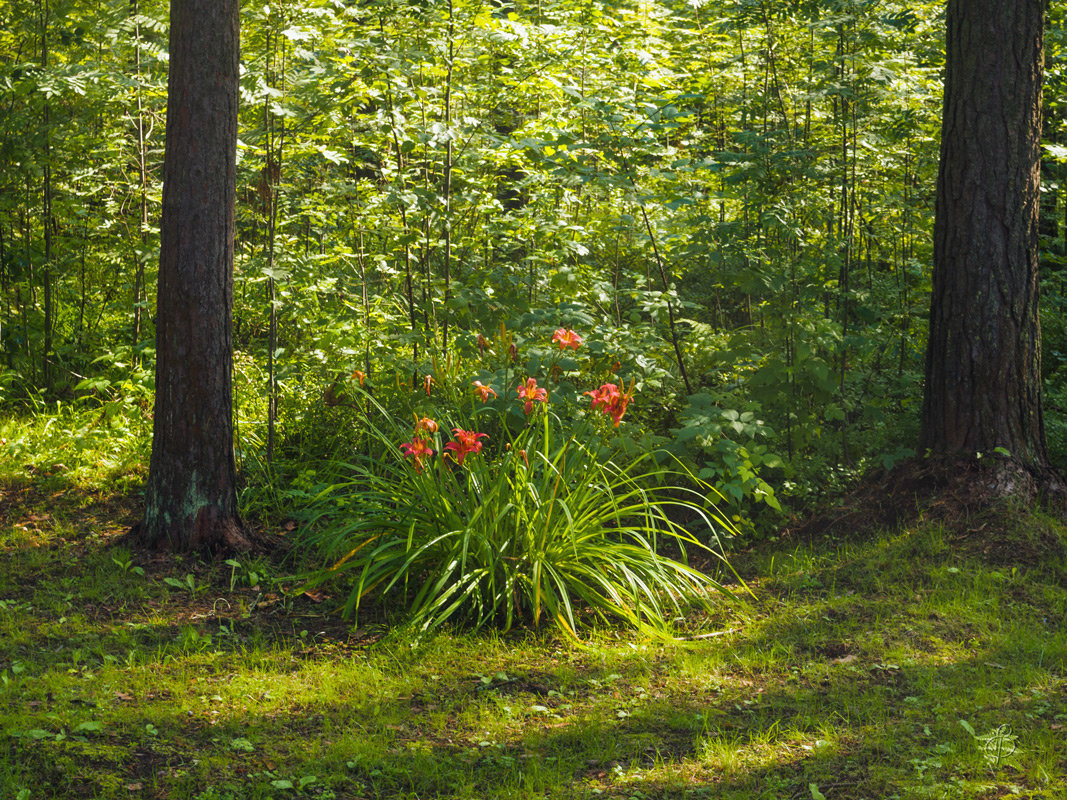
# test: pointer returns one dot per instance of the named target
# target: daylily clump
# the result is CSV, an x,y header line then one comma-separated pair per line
x,y
466,443
418,450
530,393
610,399
565,338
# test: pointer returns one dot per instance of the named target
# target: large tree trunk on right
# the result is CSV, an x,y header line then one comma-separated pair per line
x,y
190,498
983,375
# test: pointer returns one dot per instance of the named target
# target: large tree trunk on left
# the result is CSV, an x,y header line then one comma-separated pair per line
x,y
191,500
983,376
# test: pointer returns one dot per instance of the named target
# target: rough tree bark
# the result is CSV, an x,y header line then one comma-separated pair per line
x,y
983,375
190,499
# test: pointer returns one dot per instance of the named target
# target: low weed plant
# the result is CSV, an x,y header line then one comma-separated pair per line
x,y
88,440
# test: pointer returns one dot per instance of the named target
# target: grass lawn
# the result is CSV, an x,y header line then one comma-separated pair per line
x,y
925,662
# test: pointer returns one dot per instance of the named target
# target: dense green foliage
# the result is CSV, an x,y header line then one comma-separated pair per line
x,y
736,194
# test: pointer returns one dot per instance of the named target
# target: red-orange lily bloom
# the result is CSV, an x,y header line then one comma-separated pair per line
x,y
529,392
483,391
466,443
417,450
565,338
612,400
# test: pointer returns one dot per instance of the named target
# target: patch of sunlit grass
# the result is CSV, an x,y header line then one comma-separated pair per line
x,y
854,672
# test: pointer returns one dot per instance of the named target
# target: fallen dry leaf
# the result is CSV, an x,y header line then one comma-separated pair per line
x,y
845,659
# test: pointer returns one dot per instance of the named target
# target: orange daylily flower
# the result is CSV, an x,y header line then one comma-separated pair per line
x,y
529,392
612,400
483,391
417,450
565,338
425,424
466,443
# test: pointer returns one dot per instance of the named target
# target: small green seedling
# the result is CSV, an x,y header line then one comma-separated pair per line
x,y
187,585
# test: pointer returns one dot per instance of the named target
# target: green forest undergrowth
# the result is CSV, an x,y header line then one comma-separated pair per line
x,y
928,661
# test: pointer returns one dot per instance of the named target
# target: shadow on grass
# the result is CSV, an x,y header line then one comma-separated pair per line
x,y
851,683
857,732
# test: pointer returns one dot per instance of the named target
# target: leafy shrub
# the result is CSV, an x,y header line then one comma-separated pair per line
x,y
729,447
